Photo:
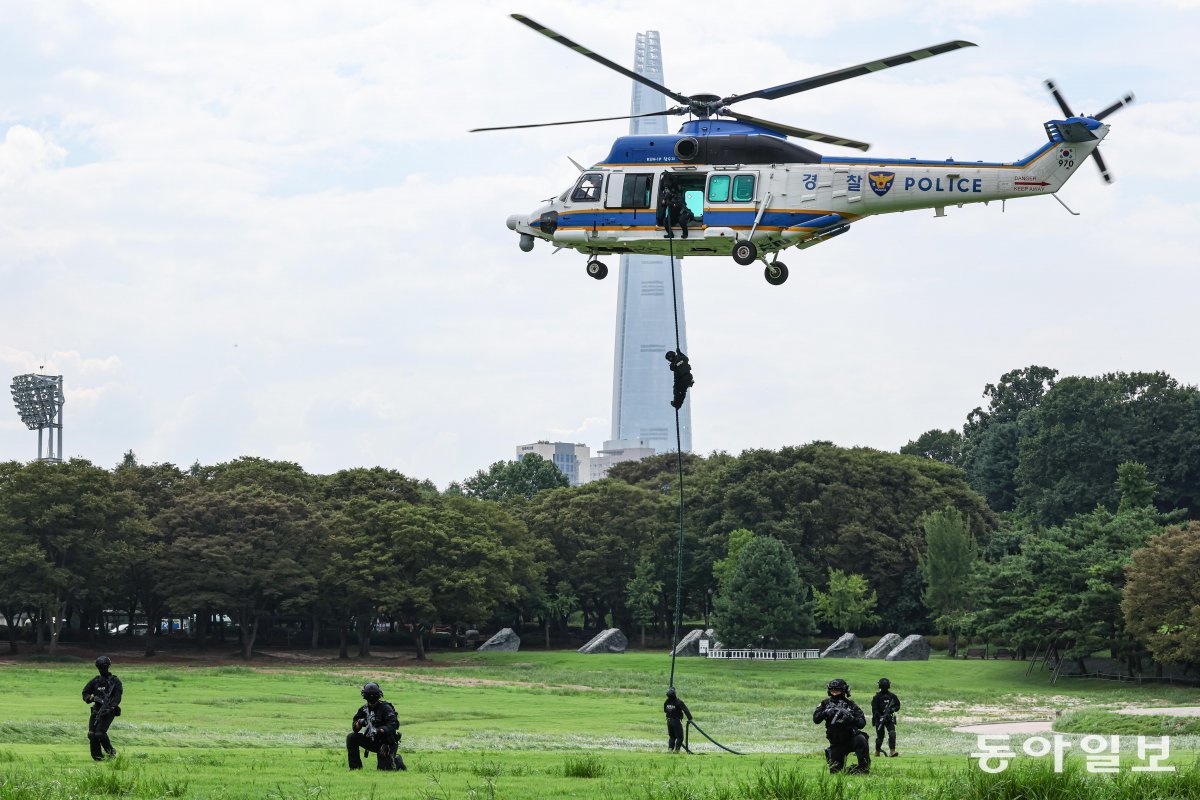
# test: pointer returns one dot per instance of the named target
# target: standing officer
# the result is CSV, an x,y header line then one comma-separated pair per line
x,y
844,721
104,693
676,710
884,706
681,369
376,730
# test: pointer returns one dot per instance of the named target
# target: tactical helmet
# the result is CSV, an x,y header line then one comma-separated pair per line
x,y
670,355
840,685
671,692
885,684
371,691
103,662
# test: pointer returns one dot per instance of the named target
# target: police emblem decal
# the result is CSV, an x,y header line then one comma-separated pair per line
x,y
881,182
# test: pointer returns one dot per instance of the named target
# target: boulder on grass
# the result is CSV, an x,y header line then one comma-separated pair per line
x,y
609,641
847,646
913,648
885,645
506,640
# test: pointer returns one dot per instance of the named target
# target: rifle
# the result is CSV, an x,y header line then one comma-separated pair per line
x,y
837,713
888,712
102,699
369,729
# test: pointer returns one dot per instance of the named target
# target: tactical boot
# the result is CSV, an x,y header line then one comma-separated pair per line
x,y
878,753
893,754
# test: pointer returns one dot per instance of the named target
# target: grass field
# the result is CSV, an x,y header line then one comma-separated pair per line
x,y
549,725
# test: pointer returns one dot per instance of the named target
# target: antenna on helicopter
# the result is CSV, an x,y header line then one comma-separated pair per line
x,y
1062,103
703,106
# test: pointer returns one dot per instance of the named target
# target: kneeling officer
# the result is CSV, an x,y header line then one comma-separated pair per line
x,y
844,722
376,730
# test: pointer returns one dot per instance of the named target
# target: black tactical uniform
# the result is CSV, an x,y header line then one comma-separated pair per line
x,y
674,207
884,706
376,730
844,722
676,710
681,367
104,693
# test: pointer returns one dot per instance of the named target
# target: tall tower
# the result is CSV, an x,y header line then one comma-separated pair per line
x,y
642,414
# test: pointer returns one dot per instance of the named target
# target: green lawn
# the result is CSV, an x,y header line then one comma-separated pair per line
x,y
532,725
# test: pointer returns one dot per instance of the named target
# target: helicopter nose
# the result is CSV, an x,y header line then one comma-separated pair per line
x,y
515,220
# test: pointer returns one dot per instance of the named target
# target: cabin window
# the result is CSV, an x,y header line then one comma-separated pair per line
x,y
635,192
718,188
588,188
743,188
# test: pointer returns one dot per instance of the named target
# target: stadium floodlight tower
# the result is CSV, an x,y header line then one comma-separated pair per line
x,y
39,401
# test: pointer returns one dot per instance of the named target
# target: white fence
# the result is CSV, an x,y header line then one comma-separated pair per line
x,y
768,655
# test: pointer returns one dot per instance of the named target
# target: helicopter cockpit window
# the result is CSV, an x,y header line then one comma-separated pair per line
x,y
743,188
718,188
588,188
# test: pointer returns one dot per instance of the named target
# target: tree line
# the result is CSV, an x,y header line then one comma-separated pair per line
x,y
1029,521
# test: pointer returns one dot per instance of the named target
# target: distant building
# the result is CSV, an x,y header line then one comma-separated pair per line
x,y
572,460
617,450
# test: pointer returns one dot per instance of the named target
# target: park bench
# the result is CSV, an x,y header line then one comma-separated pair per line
x,y
976,652
1004,652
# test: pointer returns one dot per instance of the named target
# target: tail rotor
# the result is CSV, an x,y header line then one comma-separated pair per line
x,y
1066,109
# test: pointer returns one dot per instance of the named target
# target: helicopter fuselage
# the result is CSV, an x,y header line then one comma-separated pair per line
x,y
744,184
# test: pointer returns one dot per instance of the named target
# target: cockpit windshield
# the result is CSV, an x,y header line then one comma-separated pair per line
x,y
587,190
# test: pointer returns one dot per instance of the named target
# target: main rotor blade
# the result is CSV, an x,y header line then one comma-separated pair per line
x,y
797,132
1104,173
805,84
1124,101
1062,103
667,113
599,59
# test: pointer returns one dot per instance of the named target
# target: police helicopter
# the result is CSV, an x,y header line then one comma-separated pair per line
x,y
750,193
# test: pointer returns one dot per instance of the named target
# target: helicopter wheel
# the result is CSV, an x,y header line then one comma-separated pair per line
x,y
597,270
776,273
745,253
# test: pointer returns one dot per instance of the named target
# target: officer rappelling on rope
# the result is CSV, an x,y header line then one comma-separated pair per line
x,y
682,368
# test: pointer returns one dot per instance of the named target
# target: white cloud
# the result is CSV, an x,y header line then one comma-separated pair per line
x,y
266,231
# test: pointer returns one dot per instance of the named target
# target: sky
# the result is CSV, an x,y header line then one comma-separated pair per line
x,y
263,229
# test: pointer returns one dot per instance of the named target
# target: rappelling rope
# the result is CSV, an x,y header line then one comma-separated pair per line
x,y
679,549
679,461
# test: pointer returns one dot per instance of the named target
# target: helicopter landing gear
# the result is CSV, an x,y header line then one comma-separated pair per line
x,y
597,270
745,253
776,273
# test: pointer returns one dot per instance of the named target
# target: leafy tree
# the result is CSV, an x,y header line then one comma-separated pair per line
x,y
848,604
944,446
950,553
239,552
1065,581
558,607
1161,605
832,506
507,480
723,568
991,437
643,595
1085,427
1134,486
599,532
453,560
71,513
658,472
373,483
766,603
250,472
